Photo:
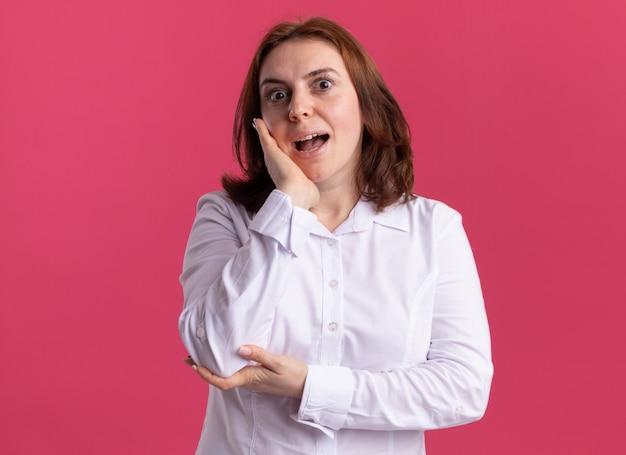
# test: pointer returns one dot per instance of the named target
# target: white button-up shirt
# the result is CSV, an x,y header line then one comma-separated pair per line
x,y
387,311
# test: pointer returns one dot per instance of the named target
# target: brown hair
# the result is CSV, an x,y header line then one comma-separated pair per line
x,y
386,162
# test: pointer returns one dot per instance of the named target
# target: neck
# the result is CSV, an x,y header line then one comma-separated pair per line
x,y
334,207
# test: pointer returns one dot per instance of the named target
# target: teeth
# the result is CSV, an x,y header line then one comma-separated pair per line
x,y
307,138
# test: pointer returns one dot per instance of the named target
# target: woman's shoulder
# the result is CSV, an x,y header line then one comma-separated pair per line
x,y
220,203
422,206
418,212
214,197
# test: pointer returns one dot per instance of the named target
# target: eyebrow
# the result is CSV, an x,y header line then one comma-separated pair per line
x,y
312,74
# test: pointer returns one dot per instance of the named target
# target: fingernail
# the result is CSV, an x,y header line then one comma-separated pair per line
x,y
189,361
245,350
254,123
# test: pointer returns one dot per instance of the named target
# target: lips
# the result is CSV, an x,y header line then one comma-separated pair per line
x,y
310,142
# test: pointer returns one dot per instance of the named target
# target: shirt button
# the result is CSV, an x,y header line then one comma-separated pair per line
x,y
332,326
333,283
458,411
331,242
200,332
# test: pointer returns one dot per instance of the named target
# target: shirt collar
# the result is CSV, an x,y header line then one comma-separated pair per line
x,y
364,215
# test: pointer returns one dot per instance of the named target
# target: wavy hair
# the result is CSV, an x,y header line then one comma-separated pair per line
x,y
385,171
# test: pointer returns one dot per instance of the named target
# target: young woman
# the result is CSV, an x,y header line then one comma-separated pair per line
x,y
330,310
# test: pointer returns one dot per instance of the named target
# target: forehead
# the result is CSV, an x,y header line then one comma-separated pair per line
x,y
296,58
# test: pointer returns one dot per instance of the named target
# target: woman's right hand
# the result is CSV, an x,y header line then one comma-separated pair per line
x,y
286,174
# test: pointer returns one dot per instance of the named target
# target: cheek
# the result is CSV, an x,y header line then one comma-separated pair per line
x,y
278,129
270,115
348,113
272,123
351,122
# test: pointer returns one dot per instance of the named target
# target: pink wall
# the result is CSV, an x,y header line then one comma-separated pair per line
x,y
115,117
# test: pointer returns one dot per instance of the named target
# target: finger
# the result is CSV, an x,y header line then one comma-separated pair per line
x,y
189,361
236,380
250,376
208,376
261,129
259,355
268,143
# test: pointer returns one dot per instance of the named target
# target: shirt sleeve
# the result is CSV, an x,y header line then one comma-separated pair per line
x,y
450,388
234,272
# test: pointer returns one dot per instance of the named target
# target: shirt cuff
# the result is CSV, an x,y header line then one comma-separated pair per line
x,y
279,219
327,396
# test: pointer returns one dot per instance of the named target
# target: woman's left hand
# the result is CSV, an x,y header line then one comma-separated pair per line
x,y
273,373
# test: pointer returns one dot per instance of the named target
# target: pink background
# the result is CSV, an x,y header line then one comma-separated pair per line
x,y
115,117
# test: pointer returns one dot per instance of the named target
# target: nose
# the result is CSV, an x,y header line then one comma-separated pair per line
x,y
301,106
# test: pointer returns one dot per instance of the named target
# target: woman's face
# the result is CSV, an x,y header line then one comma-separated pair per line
x,y
312,110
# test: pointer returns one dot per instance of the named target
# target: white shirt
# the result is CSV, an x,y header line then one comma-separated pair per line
x,y
387,311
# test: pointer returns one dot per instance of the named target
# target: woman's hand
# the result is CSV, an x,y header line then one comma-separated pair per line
x,y
287,176
275,374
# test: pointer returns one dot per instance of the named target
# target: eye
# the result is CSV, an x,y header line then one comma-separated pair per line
x,y
276,96
323,84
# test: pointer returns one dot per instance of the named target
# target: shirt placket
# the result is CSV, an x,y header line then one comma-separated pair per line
x,y
332,302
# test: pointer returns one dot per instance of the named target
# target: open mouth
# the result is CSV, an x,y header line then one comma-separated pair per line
x,y
311,142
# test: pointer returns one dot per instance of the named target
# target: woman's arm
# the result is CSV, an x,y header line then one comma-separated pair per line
x,y
234,272
450,388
